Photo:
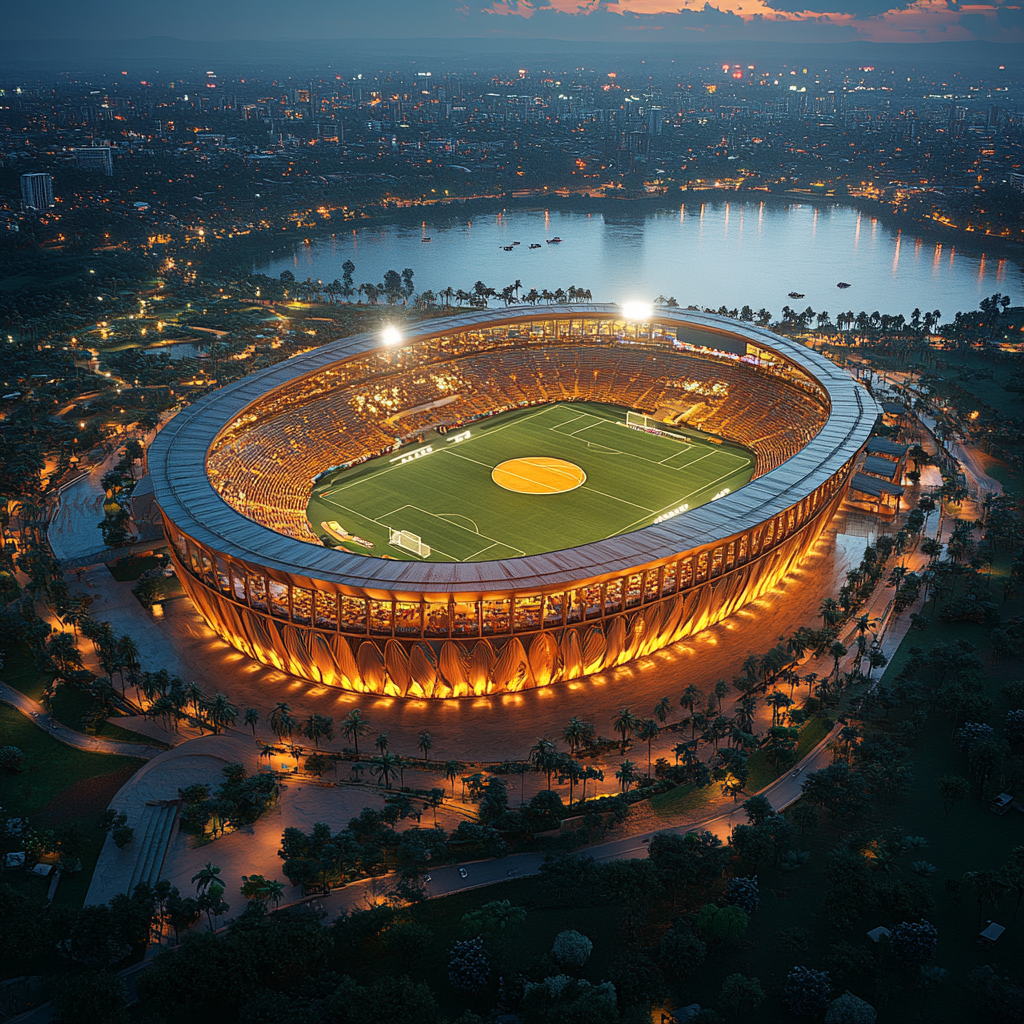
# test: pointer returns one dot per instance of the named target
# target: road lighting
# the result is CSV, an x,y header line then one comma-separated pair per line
x,y
637,310
391,335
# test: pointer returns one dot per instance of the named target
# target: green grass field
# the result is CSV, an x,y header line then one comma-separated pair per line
x,y
449,499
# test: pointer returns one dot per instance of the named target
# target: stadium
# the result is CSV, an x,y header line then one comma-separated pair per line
x,y
504,499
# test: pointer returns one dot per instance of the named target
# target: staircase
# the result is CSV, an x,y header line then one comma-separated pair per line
x,y
153,838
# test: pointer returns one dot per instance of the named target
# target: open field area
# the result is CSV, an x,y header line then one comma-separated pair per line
x,y
450,499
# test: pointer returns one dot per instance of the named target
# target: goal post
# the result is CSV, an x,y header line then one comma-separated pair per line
x,y
409,542
639,419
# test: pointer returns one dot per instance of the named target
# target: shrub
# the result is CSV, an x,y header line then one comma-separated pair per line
x,y
740,996
98,996
572,948
681,953
469,966
914,942
11,759
743,893
806,992
721,923
848,1009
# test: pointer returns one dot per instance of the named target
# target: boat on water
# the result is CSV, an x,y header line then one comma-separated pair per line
x,y
508,248
842,284
554,241
535,245
427,239
796,295
516,243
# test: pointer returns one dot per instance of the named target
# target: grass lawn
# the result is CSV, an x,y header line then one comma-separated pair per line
x,y
126,570
449,499
69,706
762,773
681,800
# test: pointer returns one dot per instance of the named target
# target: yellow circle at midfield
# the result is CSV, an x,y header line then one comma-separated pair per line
x,y
538,475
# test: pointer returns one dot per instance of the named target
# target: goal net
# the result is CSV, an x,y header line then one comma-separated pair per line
x,y
638,419
408,541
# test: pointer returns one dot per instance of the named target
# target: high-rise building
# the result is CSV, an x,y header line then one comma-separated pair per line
x,y
96,158
37,192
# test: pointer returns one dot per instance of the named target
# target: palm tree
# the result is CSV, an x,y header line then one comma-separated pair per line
x,y
624,723
626,775
221,712
252,718
661,709
451,773
281,721
425,743
648,729
385,766
317,728
577,733
689,698
829,611
590,772
353,725
207,877
271,891
545,757
381,742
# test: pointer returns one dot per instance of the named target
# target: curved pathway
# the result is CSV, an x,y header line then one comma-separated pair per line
x,y
94,744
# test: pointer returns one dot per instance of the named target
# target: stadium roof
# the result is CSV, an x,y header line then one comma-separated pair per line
x,y
177,462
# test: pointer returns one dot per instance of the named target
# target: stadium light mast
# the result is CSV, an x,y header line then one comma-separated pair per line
x,y
391,336
637,310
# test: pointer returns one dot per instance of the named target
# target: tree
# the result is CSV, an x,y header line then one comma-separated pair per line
x,y
648,730
914,942
220,712
680,953
721,924
251,719
572,948
317,728
742,892
661,709
740,996
385,766
354,725
849,1009
624,723
451,772
577,733
425,743
806,992
100,997
281,721
626,775
207,877
469,966
953,788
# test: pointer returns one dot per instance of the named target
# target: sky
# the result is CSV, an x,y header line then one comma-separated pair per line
x,y
826,21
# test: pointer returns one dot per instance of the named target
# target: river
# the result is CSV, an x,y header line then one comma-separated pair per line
x,y
702,253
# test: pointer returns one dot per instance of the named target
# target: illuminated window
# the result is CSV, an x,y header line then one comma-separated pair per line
x,y
223,577
527,612
741,557
590,599
278,599
686,574
613,597
435,618
702,567
407,618
652,585
496,617
671,584
353,614
326,610
238,583
716,563
258,593
302,606
730,555
465,618
554,606
380,617
634,589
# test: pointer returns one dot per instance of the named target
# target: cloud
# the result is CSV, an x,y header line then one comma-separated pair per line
x,y
859,9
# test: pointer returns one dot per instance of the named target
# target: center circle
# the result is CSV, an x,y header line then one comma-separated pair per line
x,y
538,474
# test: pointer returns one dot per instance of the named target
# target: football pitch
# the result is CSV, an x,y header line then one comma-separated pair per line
x,y
522,483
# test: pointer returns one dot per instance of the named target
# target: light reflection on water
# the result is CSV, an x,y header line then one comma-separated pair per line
x,y
702,253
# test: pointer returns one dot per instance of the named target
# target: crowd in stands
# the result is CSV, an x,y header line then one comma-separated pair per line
x,y
264,463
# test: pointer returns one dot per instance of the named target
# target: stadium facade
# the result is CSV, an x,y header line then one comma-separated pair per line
x,y
233,474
